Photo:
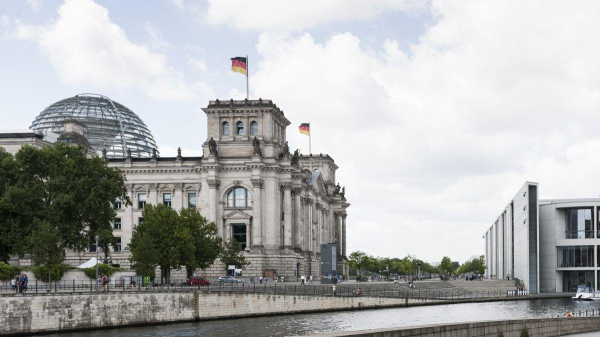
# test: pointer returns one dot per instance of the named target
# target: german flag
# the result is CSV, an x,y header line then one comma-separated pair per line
x,y
239,64
305,129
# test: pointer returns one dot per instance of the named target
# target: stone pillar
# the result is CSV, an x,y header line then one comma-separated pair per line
x,y
287,216
227,235
297,219
308,226
257,214
344,234
319,231
338,231
248,241
153,194
213,186
178,199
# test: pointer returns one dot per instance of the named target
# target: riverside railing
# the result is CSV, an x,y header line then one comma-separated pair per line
x,y
345,289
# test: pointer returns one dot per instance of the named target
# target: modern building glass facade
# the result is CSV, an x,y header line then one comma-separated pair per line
x,y
554,245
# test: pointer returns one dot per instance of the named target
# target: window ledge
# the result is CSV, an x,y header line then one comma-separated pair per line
x,y
238,208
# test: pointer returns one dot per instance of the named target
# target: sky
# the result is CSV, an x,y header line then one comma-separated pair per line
x,y
436,112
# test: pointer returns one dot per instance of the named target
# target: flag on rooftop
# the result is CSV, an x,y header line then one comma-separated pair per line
x,y
240,65
305,129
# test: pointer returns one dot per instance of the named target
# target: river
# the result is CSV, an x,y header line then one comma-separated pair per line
x,y
308,324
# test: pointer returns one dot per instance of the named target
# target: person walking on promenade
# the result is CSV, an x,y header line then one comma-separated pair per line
x,y
104,282
333,289
310,278
25,283
13,284
302,280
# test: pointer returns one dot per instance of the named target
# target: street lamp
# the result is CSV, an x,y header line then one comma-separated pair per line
x,y
419,275
97,239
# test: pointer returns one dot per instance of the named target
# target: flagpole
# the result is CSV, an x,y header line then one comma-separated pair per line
x,y
309,146
247,77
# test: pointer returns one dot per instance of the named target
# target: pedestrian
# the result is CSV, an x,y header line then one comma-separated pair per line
x,y
13,284
333,289
104,282
302,280
260,280
25,283
20,283
310,279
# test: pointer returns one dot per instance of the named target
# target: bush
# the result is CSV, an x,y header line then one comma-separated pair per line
x,y
102,269
524,333
8,272
57,272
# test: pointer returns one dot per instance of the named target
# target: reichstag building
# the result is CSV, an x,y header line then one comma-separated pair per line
x,y
280,206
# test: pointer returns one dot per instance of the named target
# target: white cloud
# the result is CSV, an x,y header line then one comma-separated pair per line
x,y
290,15
432,144
157,40
35,5
87,48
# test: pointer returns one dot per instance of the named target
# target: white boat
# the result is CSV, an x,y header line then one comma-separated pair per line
x,y
585,294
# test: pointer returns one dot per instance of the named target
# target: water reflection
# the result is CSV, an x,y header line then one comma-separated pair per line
x,y
307,324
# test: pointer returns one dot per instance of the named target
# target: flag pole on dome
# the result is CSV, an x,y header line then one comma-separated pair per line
x,y
240,65
247,79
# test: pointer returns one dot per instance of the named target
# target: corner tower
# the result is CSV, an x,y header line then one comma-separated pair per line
x,y
233,125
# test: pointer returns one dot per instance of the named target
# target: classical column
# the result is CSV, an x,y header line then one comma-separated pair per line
x,y
297,219
227,235
213,185
257,214
308,224
153,194
344,234
338,230
317,221
178,197
248,236
287,215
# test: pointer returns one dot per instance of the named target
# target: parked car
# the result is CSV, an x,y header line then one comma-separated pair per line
x,y
229,279
195,280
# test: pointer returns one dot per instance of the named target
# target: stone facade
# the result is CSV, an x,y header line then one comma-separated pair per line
x,y
250,185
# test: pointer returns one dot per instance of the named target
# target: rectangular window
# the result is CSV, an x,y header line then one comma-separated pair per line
x,y
575,256
167,199
578,223
140,221
239,234
117,203
117,223
192,200
141,200
117,244
92,246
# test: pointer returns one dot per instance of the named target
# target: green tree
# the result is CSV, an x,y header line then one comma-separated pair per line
x,y
446,266
62,188
204,239
358,261
478,265
408,265
232,255
160,235
47,247
144,256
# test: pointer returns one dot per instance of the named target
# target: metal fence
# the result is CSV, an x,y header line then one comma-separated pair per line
x,y
75,286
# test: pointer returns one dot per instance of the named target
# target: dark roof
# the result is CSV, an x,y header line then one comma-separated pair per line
x,y
18,134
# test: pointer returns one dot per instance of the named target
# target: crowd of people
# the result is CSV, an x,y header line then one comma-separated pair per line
x,y
18,284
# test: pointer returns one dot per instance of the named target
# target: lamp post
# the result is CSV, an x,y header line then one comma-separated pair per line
x,y
97,239
419,275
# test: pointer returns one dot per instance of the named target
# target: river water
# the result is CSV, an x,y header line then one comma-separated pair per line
x,y
309,324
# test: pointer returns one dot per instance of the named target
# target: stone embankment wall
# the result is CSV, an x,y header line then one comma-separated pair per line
x,y
61,312
540,327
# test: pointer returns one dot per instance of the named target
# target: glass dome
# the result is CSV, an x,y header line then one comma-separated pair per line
x,y
109,125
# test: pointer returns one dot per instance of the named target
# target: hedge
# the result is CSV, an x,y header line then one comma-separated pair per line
x,y
102,269
8,272
57,272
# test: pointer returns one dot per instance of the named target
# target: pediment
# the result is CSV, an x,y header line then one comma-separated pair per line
x,y
239,215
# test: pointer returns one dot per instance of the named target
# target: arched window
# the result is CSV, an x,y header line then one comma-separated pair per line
x,y
240,128
254,128
239,197
225,129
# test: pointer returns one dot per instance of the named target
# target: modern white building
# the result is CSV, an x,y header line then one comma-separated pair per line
x,y
280,207
550,245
